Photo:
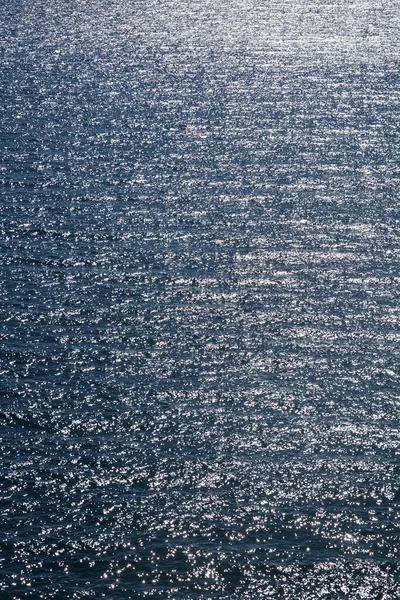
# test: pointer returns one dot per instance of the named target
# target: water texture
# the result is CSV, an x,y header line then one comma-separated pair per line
x,y
199,335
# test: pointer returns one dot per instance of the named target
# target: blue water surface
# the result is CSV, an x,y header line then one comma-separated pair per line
x,y
199,335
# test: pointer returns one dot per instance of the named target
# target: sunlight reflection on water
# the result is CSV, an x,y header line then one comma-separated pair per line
x,y
199,334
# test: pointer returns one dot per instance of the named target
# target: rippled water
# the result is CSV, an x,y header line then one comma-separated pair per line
x,y
199,317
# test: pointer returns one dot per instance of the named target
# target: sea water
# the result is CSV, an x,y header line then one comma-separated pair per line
x,y
199,299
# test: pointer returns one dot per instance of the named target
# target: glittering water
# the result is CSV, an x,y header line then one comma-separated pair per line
x,y
199,317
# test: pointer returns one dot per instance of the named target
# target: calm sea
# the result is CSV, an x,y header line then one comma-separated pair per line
x,y
199,334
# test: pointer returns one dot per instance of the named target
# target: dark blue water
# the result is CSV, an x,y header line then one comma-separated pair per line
x,y
199,332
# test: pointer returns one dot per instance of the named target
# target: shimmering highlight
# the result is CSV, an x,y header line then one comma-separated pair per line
x,y
200,282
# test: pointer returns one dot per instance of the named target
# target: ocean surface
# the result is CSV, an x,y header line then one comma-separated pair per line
x,y
199,333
